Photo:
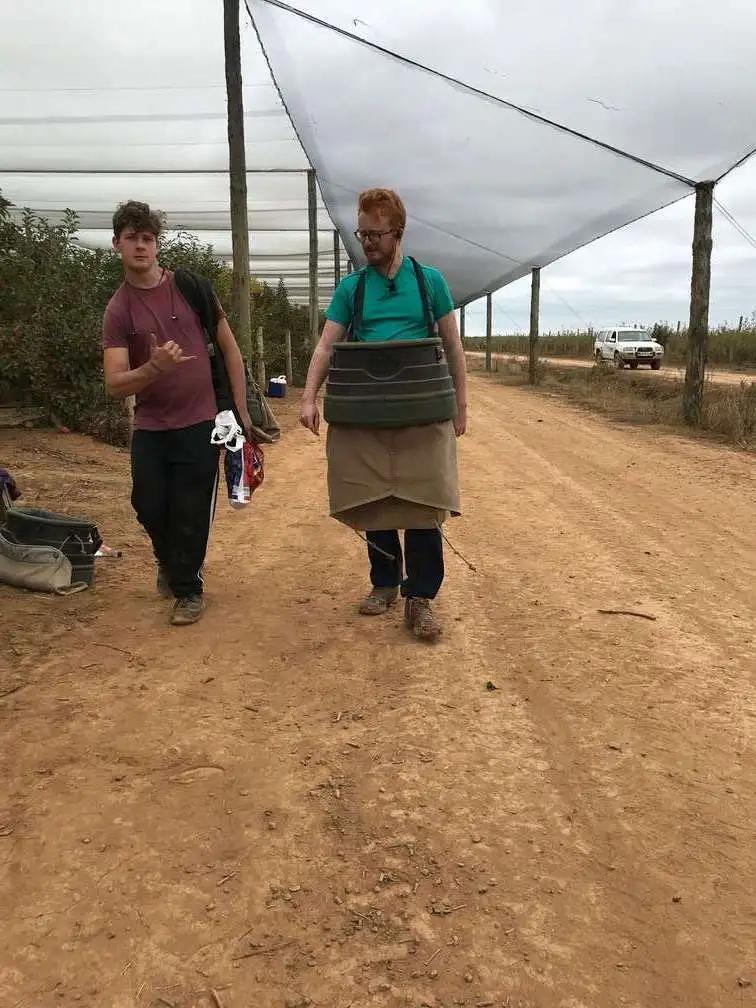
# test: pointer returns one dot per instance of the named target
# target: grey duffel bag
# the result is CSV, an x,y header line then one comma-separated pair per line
x,y
38,568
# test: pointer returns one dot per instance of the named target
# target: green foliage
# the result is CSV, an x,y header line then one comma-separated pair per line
x,y
727,347
563,344
50,315
54,293
272,310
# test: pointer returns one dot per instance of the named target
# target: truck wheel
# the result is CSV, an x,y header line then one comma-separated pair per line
x,y
655,365
634,365
618,362
598,357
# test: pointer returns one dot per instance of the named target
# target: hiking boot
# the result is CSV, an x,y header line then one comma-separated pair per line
x,y
187,610
419,618
163,588
378,601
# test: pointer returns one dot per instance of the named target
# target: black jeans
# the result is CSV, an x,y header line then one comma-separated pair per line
x,y
424,557
175,480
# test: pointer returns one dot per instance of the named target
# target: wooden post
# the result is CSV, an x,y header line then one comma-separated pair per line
x,y
130,405
261,381
336,259
289,365
237,175
312,210
740,324
700,285
462,322
535,304
489,329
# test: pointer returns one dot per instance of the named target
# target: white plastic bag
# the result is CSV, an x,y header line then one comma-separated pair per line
x,y
227,432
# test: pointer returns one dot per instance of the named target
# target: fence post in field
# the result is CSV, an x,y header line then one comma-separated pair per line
x,y
260,359
489,329
336,259
535,304
312,214
700,284
289,366
130,406
462,322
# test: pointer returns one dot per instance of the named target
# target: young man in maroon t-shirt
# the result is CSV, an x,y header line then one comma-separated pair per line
x,y
156,349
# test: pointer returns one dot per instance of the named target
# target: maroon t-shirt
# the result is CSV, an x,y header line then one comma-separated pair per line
x,y
183,396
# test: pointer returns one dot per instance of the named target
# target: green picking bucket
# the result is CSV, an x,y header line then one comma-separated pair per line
x,y
402,383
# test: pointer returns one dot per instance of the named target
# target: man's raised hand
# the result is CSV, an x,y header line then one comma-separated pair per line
x,y
165,356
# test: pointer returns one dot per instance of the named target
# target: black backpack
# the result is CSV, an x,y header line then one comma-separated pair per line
x,y
199,294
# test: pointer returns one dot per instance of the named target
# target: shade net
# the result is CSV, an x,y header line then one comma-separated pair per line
x,y
115,112
554,123
493,190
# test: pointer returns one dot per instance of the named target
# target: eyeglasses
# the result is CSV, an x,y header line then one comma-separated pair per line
x,y
372,236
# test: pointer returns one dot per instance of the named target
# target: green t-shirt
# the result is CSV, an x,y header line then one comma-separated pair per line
x,y
391,314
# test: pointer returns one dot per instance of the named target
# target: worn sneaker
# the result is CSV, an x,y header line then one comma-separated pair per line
x,y
187,610
419,618
378,601
163,588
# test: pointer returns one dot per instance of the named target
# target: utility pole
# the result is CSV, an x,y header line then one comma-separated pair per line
x,y
535,304
489,329
336,259
700,286
237,173
312,213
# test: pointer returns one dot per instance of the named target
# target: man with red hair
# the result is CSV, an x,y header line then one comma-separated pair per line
x,y
395,294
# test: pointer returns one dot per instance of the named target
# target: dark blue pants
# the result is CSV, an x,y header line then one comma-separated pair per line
x,y
423,556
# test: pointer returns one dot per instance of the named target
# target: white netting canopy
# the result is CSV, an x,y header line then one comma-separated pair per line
x,y
514,133
129,102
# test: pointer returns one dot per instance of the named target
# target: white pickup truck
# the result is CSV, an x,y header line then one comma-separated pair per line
x,y
627,346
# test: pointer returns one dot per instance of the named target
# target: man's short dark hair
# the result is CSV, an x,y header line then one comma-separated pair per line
x,y
138,216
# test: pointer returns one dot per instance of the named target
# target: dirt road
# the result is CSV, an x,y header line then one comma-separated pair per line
x,y
671,371
290,805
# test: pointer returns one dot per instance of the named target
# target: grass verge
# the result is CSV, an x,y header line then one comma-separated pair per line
x,y
641,397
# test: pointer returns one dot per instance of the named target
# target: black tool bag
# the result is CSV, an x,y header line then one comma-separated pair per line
x,y
77,538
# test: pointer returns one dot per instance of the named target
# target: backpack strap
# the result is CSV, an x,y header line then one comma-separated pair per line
x,y
359,304
420,277
200,296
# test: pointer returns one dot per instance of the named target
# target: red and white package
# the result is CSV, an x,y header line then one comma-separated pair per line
x,y
244,473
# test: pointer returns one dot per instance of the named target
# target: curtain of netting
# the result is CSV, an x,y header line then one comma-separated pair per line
x,y
112,113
